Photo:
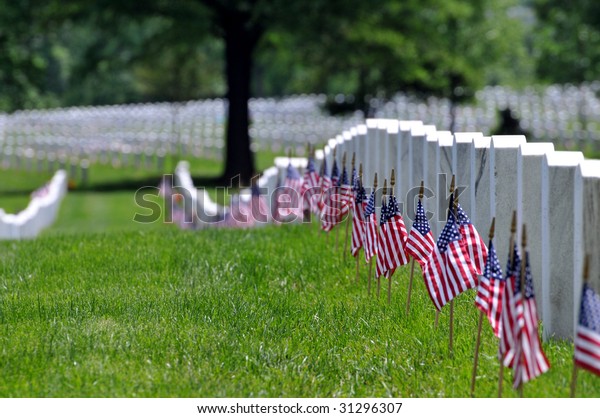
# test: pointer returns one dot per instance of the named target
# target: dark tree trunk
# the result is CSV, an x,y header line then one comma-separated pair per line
x,y
241,37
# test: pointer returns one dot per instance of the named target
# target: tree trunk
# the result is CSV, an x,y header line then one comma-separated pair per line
x,y
241,38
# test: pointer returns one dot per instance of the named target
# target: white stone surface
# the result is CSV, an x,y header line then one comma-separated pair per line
x,y
443,180
371,153
463,166
430,153
504,152
482,209
529,205
588,201
559,235
403,162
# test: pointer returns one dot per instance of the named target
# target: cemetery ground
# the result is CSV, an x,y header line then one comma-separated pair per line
x,y
99,306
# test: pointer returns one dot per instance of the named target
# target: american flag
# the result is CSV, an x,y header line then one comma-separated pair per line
x,y
392,238
531,361
475,245
381,265
239,214
587,338
346,194
259,207
370,243
420,241
507,347
490,289
310,184
358,217
448,271
290,194
330,212
324,185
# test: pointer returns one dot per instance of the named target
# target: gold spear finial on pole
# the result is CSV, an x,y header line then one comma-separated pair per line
x,y
384,192
493,228
375,182
353,161
344,159
586,268
422,190
452,183
513,225
392,182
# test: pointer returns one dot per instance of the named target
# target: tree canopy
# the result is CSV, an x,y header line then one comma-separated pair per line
x,y
74,52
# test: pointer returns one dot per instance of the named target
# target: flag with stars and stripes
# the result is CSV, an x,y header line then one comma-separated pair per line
x,y
381,265
290,204
324,186
508,312
358,218
587,337
476,247
346,194
370,243
490,289
392,238
310,184
448,270
420,241
330,208
531,361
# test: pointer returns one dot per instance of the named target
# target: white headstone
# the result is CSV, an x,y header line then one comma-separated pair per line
x,y
504,152
529,205
403,162
463,167
559,239
482,208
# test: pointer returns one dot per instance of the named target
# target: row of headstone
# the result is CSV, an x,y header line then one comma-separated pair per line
x,y
567,115
39,213
556,194
124,135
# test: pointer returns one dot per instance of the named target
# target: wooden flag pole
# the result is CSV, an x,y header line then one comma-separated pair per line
x,y
371,260
437,313
359,220
586,270
513,230
349,211
522,280
412,263
451,339
306,212
479,325
382,198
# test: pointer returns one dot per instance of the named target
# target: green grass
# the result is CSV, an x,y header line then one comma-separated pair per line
x,y
236,313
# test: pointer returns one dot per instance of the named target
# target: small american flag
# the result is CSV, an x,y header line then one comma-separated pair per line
x,y
310,184
259,207
370,244
420,241
508,311
587,338
381,264
290,194
392,238
531,361
358,217
346,194
448,271
475,245
324,184
490,289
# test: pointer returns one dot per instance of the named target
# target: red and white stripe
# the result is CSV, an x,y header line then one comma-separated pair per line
x,y
358,227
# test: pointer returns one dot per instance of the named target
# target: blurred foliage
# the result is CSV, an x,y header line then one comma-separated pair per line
x,y
73,52
567,40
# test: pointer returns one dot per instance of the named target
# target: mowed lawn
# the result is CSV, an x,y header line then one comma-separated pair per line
x,y
275,311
